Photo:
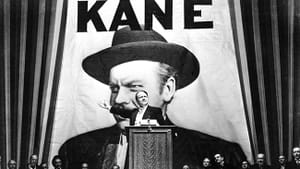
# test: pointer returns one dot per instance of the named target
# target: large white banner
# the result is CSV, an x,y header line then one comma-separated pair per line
x,y
211,104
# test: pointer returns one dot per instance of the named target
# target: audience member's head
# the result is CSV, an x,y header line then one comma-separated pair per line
x,y
115,166
44,165
33,160
57,162
245,165
185,167
206,162
219,159
260,159
11,164
296,152
281,160
84,165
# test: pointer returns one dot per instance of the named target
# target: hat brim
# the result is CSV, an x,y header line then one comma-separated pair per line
x,y
98,65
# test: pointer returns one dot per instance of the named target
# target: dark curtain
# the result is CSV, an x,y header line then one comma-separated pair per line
x,y
271,33
31,45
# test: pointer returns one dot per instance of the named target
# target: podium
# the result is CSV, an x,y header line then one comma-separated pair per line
x,y
150,147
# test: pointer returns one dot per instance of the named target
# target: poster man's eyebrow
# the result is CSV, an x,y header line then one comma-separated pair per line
x,y
128,84
133,83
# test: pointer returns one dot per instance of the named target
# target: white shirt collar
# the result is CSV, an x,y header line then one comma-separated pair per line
x,y
139,116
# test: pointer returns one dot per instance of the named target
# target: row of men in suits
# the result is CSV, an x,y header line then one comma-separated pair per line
x,y
219,162
33,163
56,162
282,162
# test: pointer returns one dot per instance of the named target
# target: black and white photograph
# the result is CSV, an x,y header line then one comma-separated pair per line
x,y
149,84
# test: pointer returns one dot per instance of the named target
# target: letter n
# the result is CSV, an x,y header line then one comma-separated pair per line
x,y
151,8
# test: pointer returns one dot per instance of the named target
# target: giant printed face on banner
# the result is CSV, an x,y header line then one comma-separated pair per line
x,y
128,78
142,60
113,65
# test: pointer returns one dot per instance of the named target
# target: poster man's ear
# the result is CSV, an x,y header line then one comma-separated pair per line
x,y
169,89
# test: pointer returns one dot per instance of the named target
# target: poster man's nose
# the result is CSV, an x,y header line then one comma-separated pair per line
x,y
122,96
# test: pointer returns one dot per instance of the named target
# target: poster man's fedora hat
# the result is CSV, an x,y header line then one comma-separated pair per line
x,y
128,45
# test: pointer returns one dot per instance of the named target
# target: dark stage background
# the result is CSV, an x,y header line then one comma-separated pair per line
x,y
31,46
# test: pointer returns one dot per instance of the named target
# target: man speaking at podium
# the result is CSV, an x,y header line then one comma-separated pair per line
x,y
142,112
144,60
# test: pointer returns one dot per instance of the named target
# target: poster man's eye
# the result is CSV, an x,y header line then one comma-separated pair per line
x,y
134,87
114,89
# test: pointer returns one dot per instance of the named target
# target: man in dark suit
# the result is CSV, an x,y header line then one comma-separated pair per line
x,y
281,162
33,162
260,162
143,110
144,60
84,165
57,162
245,165
44,165
295,163
221,164
12,164
206,164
